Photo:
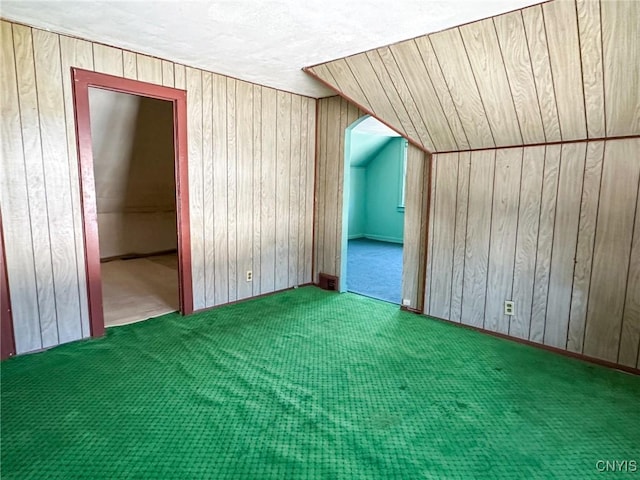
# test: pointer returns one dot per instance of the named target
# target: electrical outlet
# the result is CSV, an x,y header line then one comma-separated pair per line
x,y
509,307
406,302
249,276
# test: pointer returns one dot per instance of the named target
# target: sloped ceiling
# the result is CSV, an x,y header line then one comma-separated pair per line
x,y
560,71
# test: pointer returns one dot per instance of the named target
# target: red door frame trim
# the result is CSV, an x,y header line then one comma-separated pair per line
x,y
7,343
81,81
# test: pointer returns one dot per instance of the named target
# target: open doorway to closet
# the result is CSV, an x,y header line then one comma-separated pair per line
x,y
375,168
132,153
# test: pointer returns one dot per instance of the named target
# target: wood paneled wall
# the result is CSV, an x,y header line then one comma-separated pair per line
x,y
335,114
561,71
251,179
554,228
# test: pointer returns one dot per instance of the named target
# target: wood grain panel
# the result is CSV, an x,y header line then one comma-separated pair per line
x,y
257,186
415,223
409,61
481,44
444,226
533,161
34,175
561,26
179,76
565,237
76,53
294,190
345,80
457,72
502,243
404,95
630,334
53,133
194,119
320,173
545,243
301,208
310,197
588,12
612,249
282,189
442,91
334,132
149,69
268,187
339,198
108,60
620,31
130,65
167,74
517,63
478,237
539,52
388,86
244,178
15,206
232,199
220,206
584,249
430,250
207,189
459,241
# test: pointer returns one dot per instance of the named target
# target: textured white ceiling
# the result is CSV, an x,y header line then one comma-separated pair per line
x,y
262,41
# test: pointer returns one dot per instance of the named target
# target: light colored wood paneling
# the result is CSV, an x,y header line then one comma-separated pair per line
x,y
481,44
415,218
75,53
620,31
502,244
612,249
457,72
268,187
310,197
167,74
630,334
527,240
588,12
434,73
232,191
410,64
332,151
565,237
584,248
179,76
517,63
345,80
15,206
207,189
459,241
220,197
282,189
53,133
478,236
194,119
444,225
108,60
430,227
244,178
294,190
339,198
539,52
301,207
130,65
149,69
257,186
404,95
388,86
561,26
545,243
34,174
319,204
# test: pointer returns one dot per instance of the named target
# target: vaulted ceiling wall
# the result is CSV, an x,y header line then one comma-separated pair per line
x,y
560,71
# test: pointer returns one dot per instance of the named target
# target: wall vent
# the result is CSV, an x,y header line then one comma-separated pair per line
x,y
328,282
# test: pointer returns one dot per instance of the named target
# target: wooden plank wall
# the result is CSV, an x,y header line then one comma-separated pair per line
x,y
555,229
560,71
251,179
335,114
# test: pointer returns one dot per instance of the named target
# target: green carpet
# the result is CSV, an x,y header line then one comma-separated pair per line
x,y
309,384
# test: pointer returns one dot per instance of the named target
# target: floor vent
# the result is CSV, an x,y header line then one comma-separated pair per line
x,y
328,282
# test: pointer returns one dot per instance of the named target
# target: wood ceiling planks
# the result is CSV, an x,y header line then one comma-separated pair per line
x,y
560,71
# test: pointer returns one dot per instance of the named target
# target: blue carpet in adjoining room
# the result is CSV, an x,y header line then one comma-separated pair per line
x,y
374,269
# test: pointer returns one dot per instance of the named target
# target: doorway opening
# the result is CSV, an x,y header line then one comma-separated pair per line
x,y
132,154
373,230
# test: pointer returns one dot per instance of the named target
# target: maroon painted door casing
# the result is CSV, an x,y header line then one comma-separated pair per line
x,y
82,80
